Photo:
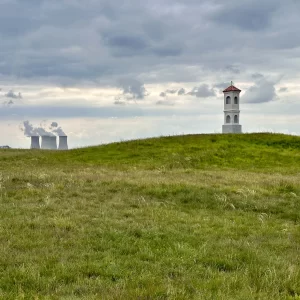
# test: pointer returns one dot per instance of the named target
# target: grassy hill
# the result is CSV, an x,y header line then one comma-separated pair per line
x,y
183,217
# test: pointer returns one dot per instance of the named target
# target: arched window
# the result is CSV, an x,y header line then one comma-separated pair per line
x,y
228,119
236,120
236,100
228,100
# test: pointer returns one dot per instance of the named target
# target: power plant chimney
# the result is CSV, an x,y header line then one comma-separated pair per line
x,y
35,142
63,142
49,142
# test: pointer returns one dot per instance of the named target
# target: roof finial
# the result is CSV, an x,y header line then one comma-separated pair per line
x,y
231,83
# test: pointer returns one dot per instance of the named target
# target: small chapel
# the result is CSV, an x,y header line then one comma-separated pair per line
x,y
232,110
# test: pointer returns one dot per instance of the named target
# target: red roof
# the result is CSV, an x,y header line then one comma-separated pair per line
x,y
231,88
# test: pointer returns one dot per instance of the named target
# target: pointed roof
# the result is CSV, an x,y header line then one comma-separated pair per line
x,y
231,88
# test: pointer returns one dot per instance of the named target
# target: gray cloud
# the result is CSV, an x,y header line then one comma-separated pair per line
x,y
103,112
118,102
262,91
155,41
181,92
127,42
13,95
257,76
222,85
132,89
283,90
178,92
202,91
8,103
127,45
247,15
171,91
165,103
233,69
168,50
65,111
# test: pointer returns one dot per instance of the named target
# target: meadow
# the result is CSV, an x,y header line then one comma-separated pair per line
x,y
180,217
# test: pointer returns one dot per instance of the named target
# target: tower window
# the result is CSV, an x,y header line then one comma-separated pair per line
x,y
228,100
236,100
236,120
228,119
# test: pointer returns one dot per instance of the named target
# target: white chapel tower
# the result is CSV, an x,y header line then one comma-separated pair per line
x,y
232,110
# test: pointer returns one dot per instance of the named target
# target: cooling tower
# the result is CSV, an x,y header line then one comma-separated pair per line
x,y
63,142
35,142
49,142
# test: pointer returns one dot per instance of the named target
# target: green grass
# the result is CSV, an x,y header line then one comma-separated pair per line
x,y
184,217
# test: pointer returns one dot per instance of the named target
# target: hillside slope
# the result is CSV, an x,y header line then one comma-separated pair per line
x,y
246,151
183,217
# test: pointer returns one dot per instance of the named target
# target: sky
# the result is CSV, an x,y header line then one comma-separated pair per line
x,y
105,71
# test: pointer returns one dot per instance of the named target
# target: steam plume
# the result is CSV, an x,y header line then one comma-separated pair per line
x,y
30,130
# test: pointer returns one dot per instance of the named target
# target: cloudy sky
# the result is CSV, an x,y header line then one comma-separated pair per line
x,y
116,70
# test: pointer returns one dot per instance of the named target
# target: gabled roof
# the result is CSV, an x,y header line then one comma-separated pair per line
x,y
231,88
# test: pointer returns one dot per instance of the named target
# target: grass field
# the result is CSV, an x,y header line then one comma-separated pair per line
x,y
183,217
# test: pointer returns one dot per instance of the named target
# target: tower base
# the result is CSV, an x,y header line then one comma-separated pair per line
x,y
232,128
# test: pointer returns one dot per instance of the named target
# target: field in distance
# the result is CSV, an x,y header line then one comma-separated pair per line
x,y
180,217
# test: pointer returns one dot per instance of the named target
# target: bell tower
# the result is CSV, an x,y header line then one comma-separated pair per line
x,y
232,110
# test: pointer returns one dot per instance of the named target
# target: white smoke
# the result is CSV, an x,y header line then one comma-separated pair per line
x,y
30,130
56,129
54,124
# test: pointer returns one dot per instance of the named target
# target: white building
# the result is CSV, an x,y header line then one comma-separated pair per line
x,y
232,110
